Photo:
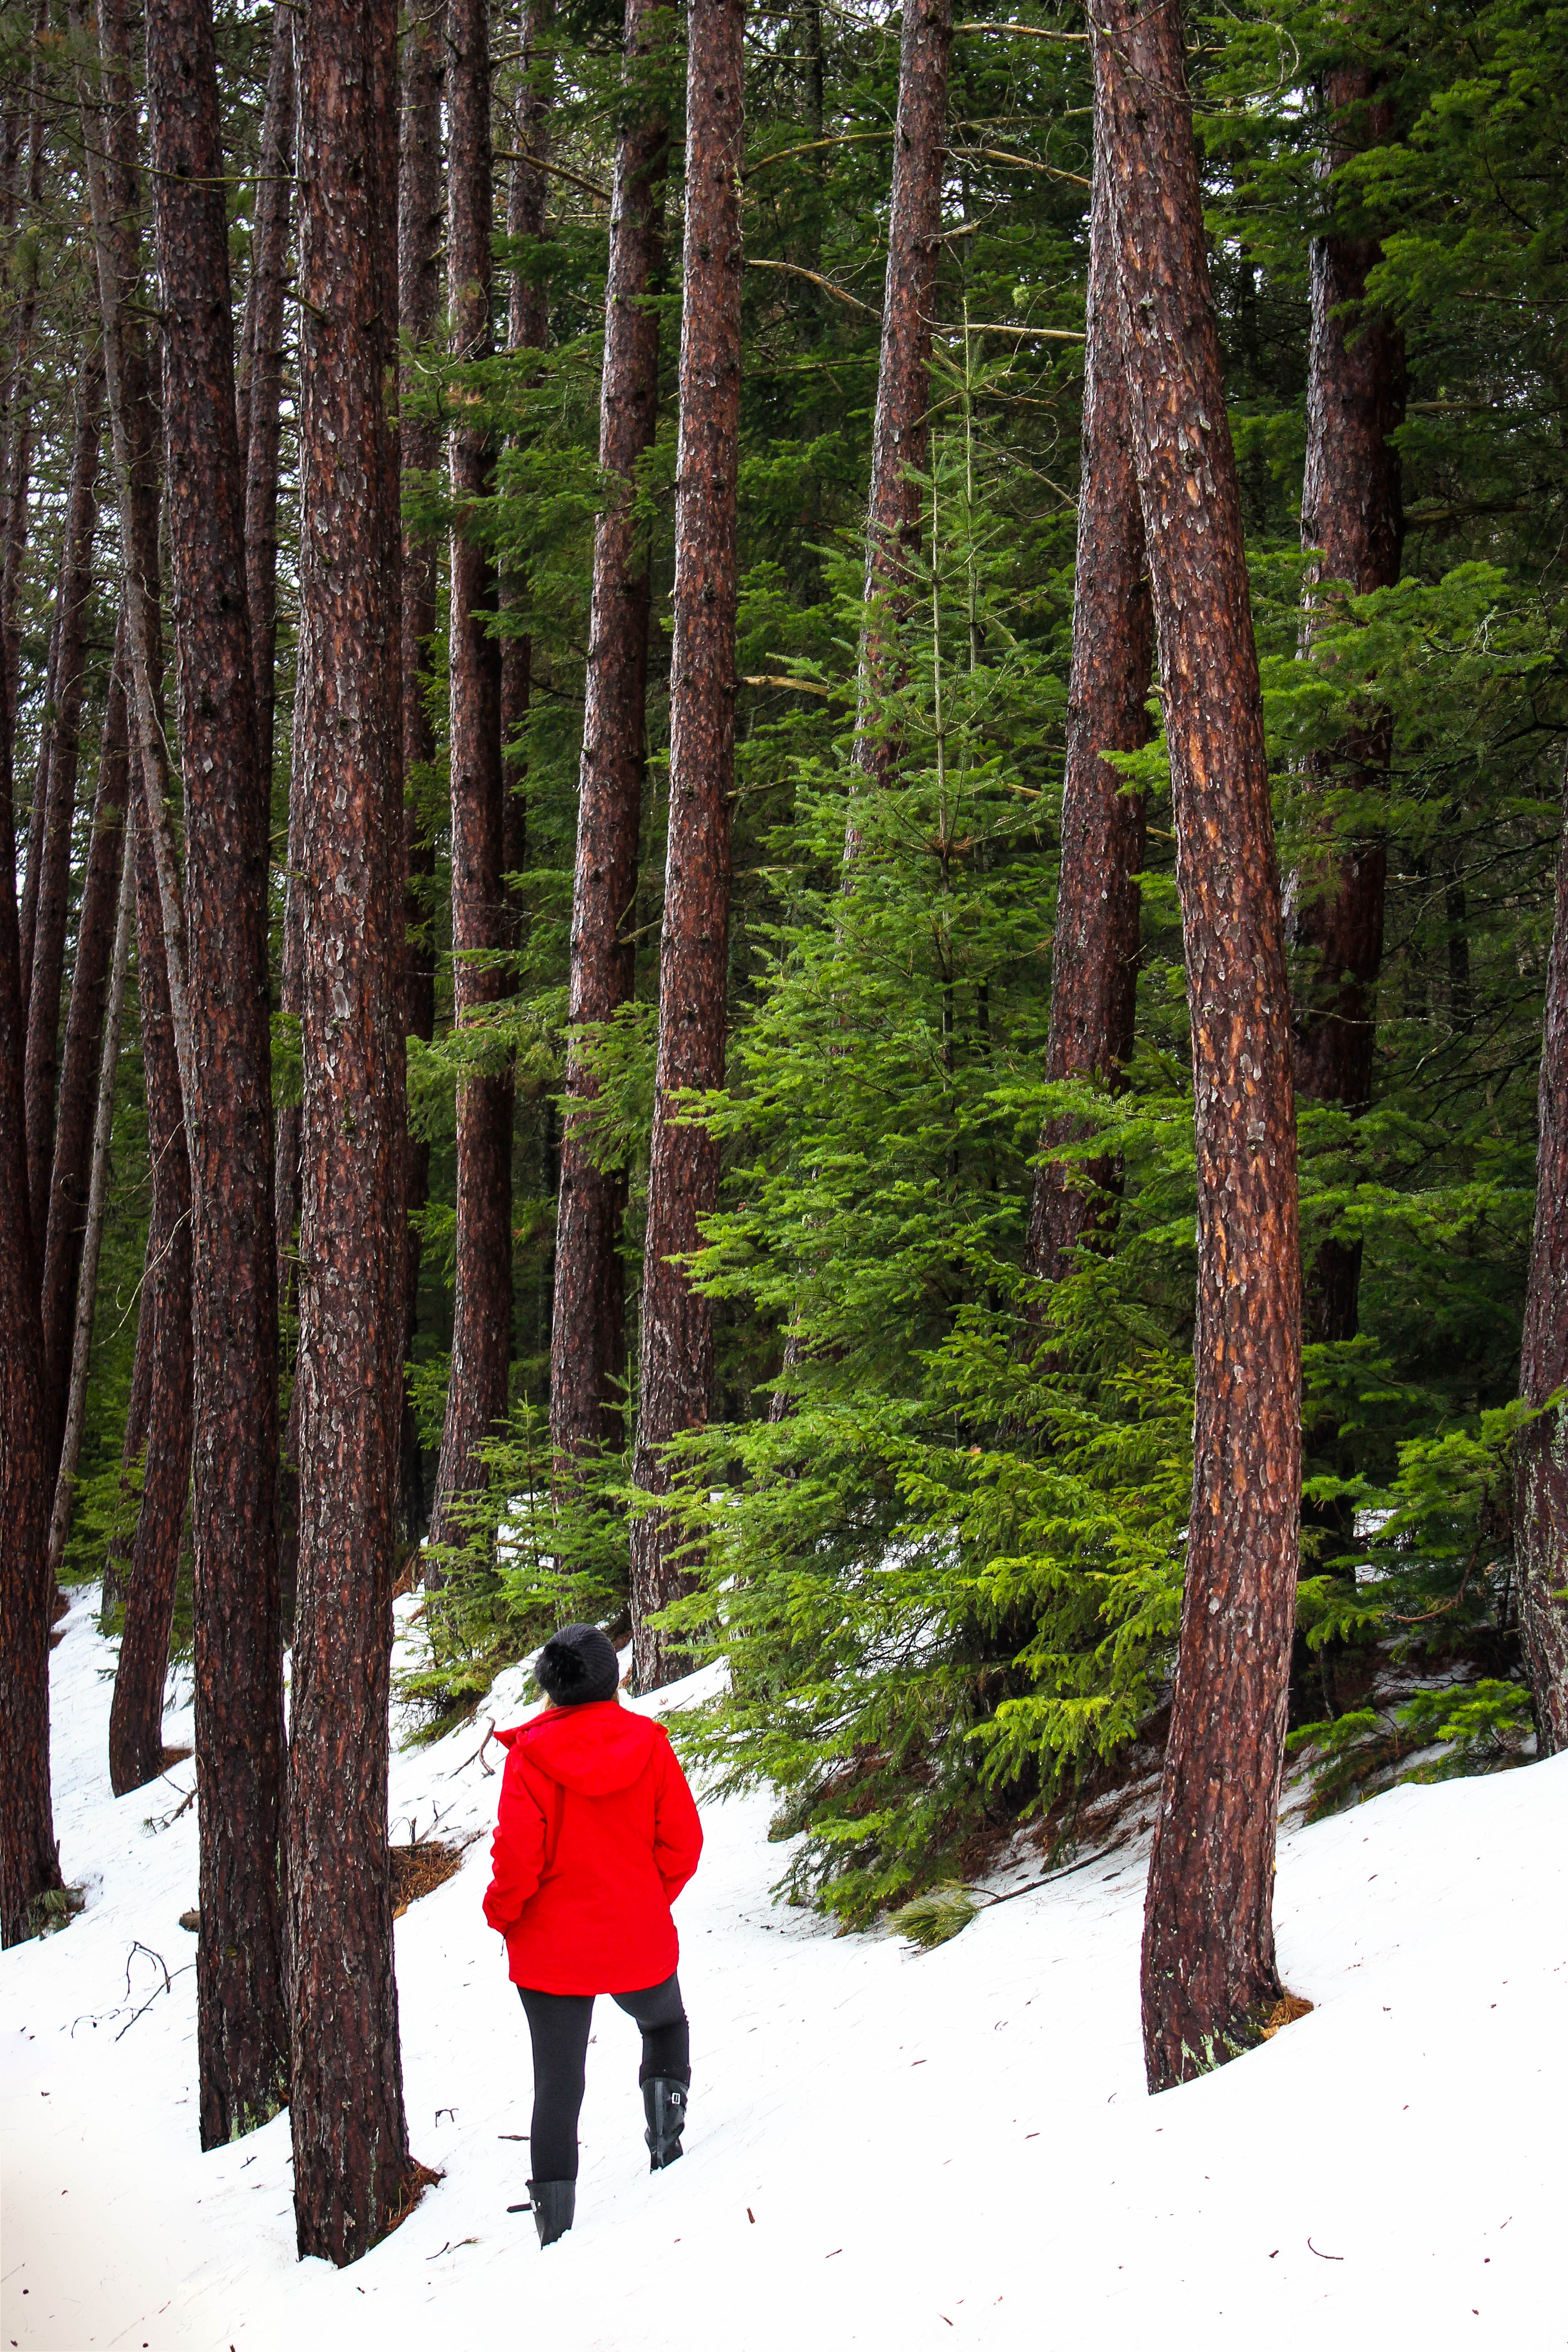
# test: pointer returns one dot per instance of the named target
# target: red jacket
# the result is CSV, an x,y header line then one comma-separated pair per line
x,y
596,1836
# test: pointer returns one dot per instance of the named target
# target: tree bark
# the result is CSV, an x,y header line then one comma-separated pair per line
x,y
587,1346
136,1713
1351,513
527,331
683,1171
1208,1939
18,424
481,1310
64,724
346,2112
1094,956
259,386
898,436
1541,1450
84,1027
98,1184
242,2035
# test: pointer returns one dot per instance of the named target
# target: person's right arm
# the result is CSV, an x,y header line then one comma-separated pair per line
x,y
517,1849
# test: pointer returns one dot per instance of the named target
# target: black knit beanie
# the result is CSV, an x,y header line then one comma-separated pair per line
x,y
577,1666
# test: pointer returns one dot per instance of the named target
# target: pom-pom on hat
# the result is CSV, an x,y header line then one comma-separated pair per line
x,y
577,1666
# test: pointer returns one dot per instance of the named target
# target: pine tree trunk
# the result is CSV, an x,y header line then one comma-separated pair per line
x,y
84,1027
259,388
1350,510
587,1346
899,438
683,1170
527,331
420,227
64,722
136,1713
346,2113
18,428
138,1413
1209,1937
481,1309
1094,957
1541,1450
241,2025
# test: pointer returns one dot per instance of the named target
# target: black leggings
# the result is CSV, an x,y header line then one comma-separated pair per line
x,y
560,2024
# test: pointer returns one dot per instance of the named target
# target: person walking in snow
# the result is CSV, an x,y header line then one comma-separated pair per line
x,y
597,1835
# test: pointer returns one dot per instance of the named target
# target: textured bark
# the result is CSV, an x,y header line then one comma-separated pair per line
x,y
64,723
1350,511
37,818
346,2113
136,1713
419,228
683,1171
18,421
481,1306
285,1190
98,1183
1541,1452
242,2038
587,1347
1208,1938
84,1027
1094,956
527,331
259,386
900,437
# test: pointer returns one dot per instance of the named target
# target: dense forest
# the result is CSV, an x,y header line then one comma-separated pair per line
x,y
784,793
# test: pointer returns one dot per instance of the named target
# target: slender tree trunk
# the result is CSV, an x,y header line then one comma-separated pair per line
x,y
899,437
352,2171
1541,1450
1209,1937
481,1311
242,2033
70,1182
587,1346
419,224
118,1560
1094,957
527,331
39,808
1350,511
18,423
64,723
259,386
136,1713
98,1189
683,1171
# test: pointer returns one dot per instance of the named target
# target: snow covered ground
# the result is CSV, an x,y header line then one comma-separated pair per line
x,y
885,2148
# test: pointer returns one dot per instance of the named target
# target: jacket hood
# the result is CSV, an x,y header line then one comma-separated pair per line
x,y
592,1750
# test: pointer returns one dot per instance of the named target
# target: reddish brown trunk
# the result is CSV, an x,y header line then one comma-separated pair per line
x,y
258,393
1541,1451
64,724
527,331
899,437
419,224
1350,511
18,423
587,1351
136,1715
346,2113
285,1210
683,1171
481,1308
84,1028
242,2035
1209,1937
1094,958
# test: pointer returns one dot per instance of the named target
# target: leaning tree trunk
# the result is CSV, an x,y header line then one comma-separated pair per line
x,y
1541,1450
352,2170
1094,957
694,952
136,1713
259,390
84,1026
481,1308
419,230
64,724
587,1341
898,434
242,2035
1208,1937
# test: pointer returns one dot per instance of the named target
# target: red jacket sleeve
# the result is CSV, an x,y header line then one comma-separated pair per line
x,y
517,1849
677,1831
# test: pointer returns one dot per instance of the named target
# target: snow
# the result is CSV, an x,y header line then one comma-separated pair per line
x,y
886,2147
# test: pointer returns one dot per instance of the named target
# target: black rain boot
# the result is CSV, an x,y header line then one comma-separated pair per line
x,y
554,2207
664,2103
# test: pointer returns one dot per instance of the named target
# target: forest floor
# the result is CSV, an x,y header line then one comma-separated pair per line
x,y
886,2147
